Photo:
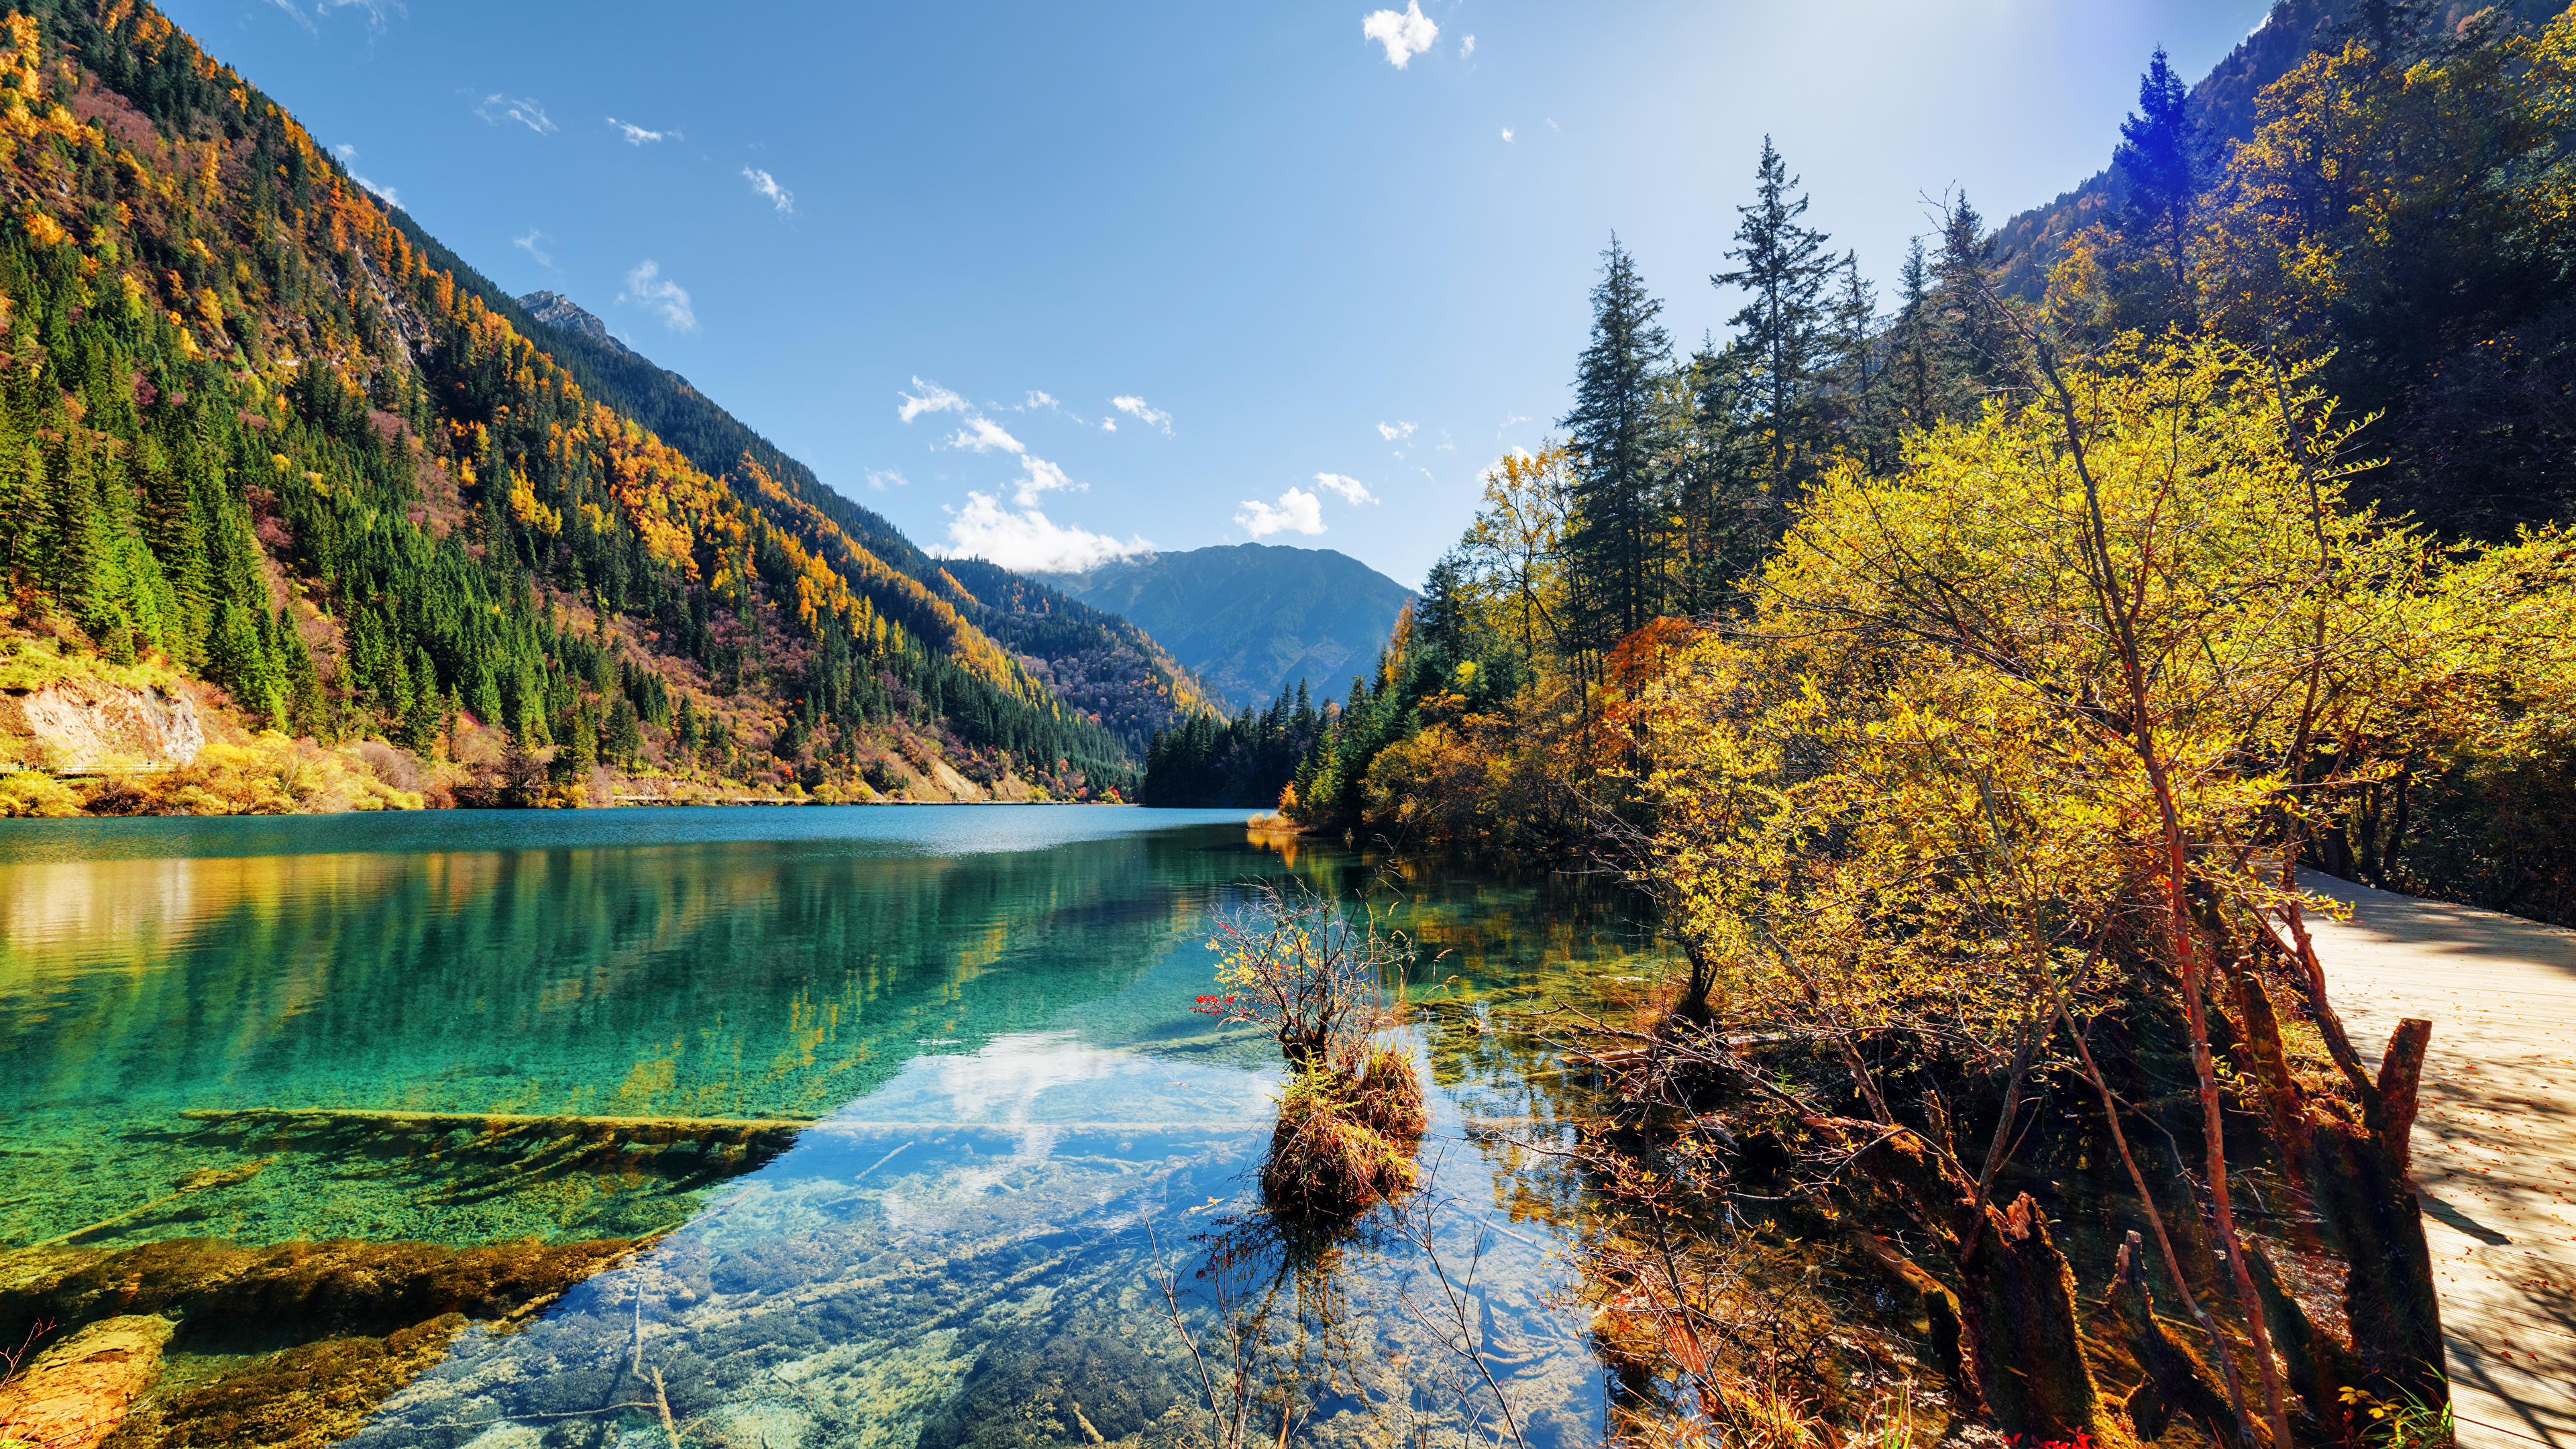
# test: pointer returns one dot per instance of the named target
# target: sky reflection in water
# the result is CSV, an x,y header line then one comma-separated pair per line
x,y
987,1008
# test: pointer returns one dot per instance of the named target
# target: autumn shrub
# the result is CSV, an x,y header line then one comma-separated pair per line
x,y
1301,968
36,794
273,775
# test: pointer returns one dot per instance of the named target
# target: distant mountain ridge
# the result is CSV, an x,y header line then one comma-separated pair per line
x,y
1253,619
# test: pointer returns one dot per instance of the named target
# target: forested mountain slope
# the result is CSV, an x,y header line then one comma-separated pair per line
x,y
2223,110
1254,620
1098,662
263,434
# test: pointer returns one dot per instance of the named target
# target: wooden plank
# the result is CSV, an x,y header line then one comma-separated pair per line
x,y
2495,1141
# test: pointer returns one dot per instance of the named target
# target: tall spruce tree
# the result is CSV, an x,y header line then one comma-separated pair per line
x,y
1973,341
1786,322
1621,433
2157,163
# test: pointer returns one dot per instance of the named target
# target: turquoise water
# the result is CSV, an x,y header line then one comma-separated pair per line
x,y
984,1012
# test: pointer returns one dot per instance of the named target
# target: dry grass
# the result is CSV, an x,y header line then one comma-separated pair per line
x,y
1324,1161
1387,1098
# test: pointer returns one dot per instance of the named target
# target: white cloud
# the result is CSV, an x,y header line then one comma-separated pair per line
x,y
1467,48
983,435
1037,476
637,136
1135,407
646,286
1507,133
1296,509
386,194
498,107
534,244
933,399
1027,540
1108,425
880,478
1353,491
1404,36
1394,431
767,185
1037,399
345,152
980,434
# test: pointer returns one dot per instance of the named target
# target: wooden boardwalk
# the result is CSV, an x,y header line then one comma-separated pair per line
x,y
2495,1148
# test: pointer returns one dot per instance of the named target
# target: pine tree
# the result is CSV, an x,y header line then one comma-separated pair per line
x,y
1784,324
1620,431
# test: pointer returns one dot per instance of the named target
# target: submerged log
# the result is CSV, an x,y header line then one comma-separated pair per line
x,y
633,1128
76,1393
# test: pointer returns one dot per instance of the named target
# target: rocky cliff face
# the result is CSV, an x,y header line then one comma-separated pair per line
x,y
557,310
89,724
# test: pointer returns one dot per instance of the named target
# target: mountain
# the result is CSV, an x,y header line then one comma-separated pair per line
x,y
1101,664
1253,619
272,451
2224,108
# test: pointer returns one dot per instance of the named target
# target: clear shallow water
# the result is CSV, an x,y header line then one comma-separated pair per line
x,y
986,1008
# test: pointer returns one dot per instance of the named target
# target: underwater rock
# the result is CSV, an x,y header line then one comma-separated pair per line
x,y
306,1397
75,1393
1052,1387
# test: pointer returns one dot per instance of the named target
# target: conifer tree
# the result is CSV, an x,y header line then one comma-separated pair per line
x,y
1784,266
1621,434
2158,166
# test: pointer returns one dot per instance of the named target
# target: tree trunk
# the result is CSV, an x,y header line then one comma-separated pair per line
x,y
2177,1381
2019,1310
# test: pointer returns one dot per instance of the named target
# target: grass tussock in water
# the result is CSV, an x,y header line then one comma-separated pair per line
x,y
1345,1139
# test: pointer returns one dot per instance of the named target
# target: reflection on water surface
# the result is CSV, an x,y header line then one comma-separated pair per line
x,y
984,1012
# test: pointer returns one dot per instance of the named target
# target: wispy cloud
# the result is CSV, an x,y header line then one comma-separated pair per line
x,y
1135,407
1507,133
977,433
637,136
535,244
1297,510
1467,48
1353,491
346,152
1394,432
1027,540
499,107
386,194
374,10
881,479
1037,400
983,435
647,287
1404,36
767,185
933,399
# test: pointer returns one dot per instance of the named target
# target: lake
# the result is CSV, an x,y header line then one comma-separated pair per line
x,y
910,1101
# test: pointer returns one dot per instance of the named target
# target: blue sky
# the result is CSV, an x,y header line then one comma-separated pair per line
x,y
1049,282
